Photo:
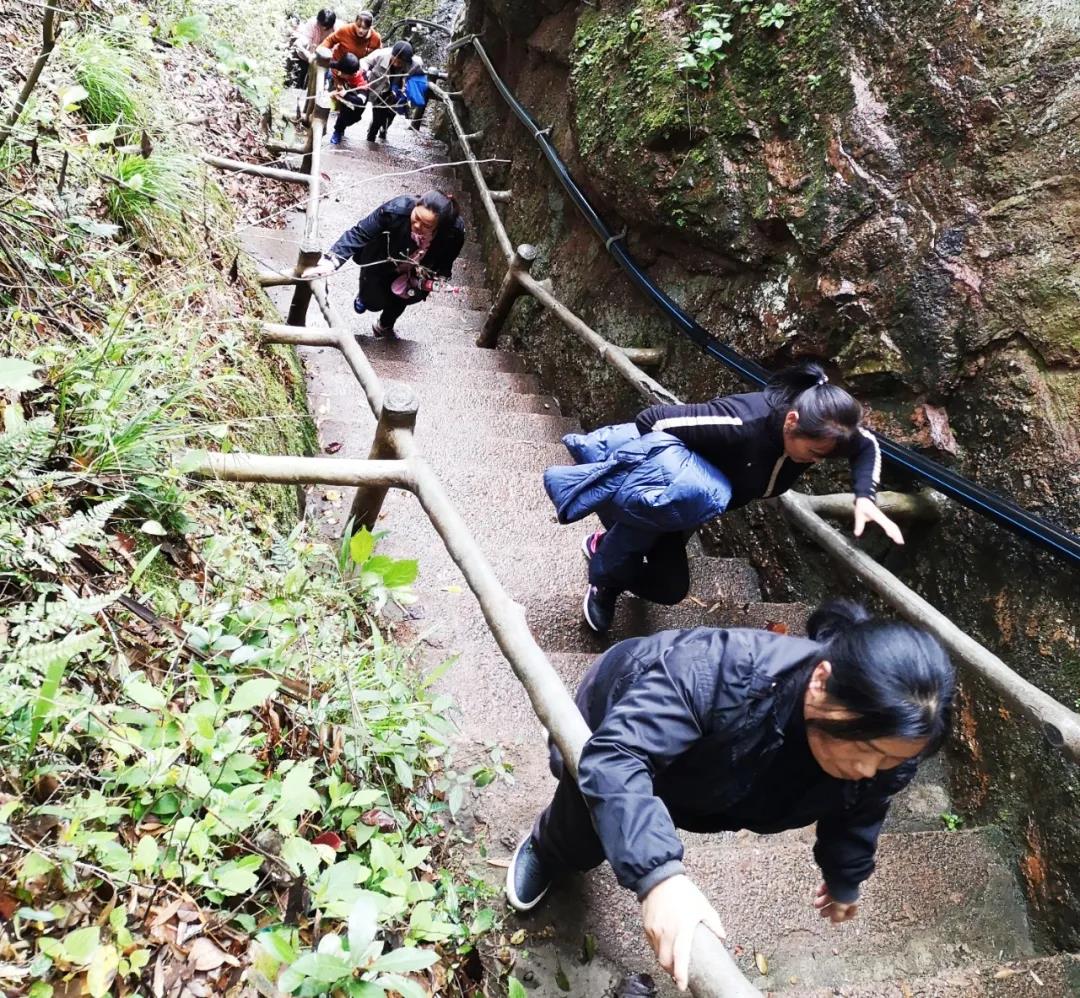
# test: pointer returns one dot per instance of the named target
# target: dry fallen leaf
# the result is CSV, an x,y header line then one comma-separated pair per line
x,y
206,955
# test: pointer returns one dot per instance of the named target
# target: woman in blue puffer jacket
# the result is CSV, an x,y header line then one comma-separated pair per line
x,y
654,482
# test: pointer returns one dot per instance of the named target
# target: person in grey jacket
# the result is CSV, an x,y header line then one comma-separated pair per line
x,y
710,730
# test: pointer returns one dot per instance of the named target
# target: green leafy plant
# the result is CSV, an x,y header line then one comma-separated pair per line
x,y
705,46
775,16
952,822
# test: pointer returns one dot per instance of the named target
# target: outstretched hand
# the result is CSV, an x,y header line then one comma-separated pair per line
x,y
835,911
671,912
866,511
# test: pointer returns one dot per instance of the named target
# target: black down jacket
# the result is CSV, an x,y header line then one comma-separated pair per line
x,y
383,238
685,725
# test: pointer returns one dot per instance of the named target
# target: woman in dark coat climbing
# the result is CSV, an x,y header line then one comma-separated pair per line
x,y
652,484
712,730
402,247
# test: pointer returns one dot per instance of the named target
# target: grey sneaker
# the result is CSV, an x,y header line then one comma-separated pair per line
x,y
527,881
599,608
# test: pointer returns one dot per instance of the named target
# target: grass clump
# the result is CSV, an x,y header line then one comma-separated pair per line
x,y
110,77
149,195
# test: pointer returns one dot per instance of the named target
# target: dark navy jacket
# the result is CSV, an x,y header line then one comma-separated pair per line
x,y
742,436
384,237
654,482
684,723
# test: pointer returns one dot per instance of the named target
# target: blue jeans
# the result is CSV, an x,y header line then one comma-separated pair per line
x,y
650,565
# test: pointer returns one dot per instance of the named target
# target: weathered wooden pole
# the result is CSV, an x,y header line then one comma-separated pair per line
x,y
310,247
520,263
256,170
399,409
48,43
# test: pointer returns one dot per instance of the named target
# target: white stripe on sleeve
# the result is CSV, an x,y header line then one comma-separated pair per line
x,y
677,421
876,475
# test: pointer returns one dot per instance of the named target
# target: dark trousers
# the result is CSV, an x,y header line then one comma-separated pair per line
x,y
563,834
650,565
379,296
381,116
348,115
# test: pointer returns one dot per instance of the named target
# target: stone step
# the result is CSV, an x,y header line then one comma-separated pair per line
x,y
1043,977
453,379
559,626
455,422
444,356
939,903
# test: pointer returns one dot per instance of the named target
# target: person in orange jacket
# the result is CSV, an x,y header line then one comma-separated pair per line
x,y
358,37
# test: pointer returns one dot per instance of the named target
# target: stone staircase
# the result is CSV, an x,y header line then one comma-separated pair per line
x,y
943,915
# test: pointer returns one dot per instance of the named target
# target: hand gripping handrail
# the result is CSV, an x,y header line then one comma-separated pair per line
x,y
1003,511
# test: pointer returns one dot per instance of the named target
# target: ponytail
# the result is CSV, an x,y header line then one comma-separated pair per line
x,y
894,680
826,411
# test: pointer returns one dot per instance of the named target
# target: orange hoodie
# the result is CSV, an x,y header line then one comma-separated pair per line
x,y
348,39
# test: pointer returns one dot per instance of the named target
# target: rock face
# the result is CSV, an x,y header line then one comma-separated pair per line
x,y
889,184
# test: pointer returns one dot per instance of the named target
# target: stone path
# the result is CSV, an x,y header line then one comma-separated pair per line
x,y
943,911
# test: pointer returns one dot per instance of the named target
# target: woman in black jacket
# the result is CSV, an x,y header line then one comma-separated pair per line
x,y
712,730
761,442
401,248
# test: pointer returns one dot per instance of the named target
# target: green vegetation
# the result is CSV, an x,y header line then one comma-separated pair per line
x,y
952,822
217,760
701,98
109,78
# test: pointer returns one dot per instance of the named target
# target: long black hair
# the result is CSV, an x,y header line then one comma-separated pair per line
x,y
443,205
896,680
826,411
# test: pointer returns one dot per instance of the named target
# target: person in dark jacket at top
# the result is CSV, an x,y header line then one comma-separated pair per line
x,y
709,730
654,483
402,248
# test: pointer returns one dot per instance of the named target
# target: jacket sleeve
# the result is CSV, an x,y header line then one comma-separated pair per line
x,y
847,840
657,719
865,465
352,243
701,425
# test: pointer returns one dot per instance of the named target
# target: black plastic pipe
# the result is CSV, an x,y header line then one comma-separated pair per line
x,y
1002,511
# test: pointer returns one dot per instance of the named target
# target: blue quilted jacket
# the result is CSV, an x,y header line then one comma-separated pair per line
x,y
654,482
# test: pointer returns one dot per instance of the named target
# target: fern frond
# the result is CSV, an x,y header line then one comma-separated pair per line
x,y
49,655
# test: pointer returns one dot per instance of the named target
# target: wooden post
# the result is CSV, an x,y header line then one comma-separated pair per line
x,y
399,408
521,262
310,247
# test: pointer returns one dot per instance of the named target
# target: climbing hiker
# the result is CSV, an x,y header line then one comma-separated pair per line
x,y
349,90
386,69
410,96
358,37
305,40
710,730
402,247
655,481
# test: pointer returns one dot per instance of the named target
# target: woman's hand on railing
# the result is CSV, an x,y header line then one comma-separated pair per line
x,y
866,511
324,268
835,911
671,912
